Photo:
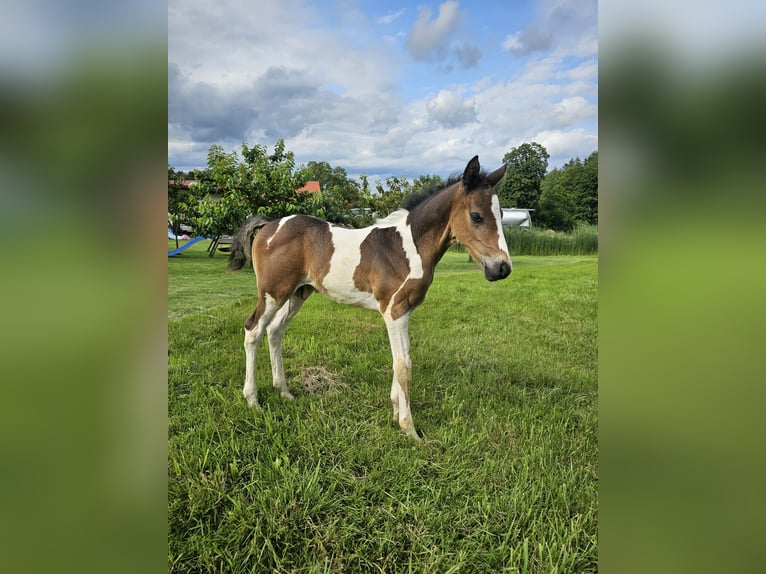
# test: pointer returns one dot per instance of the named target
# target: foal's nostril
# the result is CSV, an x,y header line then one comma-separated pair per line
x,y
504,270
498,271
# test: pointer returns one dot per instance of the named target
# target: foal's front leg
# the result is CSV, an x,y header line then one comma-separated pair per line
x,y
398,334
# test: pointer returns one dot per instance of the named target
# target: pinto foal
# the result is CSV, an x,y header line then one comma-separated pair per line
x,y
386,267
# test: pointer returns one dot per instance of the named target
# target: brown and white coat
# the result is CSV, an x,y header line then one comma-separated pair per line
x,y
386,267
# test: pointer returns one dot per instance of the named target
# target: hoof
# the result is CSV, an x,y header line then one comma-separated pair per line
x,y
252,403
287,395
409,429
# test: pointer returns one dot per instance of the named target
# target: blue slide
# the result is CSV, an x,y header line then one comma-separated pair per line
x,y
184,247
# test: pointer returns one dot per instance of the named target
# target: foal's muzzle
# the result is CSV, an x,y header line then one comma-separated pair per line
x,y
495,271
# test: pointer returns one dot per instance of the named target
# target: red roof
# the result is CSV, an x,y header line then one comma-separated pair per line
x,y
187,183
312,186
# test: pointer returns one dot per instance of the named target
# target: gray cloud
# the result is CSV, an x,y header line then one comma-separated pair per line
x,y
437,40
206,111
527,41
429,40
280,103
560,22
468,55
449,111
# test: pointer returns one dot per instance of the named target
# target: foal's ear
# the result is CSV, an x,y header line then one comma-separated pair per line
x,y
496,175
471,175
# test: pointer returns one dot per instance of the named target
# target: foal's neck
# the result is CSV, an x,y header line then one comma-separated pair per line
x,y
430,225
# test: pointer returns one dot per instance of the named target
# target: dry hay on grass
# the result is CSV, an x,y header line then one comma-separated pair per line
x,y
319,380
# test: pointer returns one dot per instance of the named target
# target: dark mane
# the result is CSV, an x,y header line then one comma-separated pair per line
x,y
415,199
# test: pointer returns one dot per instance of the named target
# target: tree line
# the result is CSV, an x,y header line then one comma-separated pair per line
x,y
235,186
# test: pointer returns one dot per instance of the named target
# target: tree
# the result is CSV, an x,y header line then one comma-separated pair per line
x,y
556,207
570,195
426,182
390,198
587,208
177,197
231,189
340,194
527,165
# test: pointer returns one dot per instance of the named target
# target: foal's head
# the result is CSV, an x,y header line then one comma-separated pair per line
x,y
476,220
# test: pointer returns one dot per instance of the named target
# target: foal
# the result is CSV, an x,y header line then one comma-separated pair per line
x,y
386,267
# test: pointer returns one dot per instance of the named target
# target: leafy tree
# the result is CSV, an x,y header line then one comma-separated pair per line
x,y
389,198
570,195
587,202
556,207
231,189
520,187
339,193
365,185
425,182
177,197
271,183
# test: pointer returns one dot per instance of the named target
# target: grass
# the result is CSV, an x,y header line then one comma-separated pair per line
x,y
504,395
583,240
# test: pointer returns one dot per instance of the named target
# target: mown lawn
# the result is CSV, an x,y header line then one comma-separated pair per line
x,y
504,396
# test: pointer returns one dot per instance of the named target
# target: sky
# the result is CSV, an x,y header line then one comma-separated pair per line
x,y
383,87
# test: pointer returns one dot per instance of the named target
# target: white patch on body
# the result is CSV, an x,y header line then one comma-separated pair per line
x,y
410,251
346,255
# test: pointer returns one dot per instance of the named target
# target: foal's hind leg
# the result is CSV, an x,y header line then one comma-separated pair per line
x,y
255,328
276,331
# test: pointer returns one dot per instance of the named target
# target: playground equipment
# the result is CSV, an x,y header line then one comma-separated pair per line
x,y
185,246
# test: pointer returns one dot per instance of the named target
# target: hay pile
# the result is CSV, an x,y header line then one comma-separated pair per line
x,y
319,380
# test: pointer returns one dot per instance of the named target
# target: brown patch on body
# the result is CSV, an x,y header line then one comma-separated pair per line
x,y
299,253
410,296
383,266
291,258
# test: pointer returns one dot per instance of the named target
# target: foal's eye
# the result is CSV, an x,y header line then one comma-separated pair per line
x,y
476,218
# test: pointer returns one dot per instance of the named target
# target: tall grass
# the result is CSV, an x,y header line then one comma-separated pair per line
x,y
583,240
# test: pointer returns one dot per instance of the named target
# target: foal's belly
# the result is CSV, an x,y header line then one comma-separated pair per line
x,y
347,294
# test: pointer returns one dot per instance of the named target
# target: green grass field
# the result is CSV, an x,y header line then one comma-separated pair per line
x,y
504,395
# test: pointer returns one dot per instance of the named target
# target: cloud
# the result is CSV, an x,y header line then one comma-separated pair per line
x,y
570,111
527,41
279,103
204,110
566,144
467,55
429,40
569,25
449,111
389,17
437,40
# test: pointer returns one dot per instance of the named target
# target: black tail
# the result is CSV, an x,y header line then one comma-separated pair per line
x,y
240,246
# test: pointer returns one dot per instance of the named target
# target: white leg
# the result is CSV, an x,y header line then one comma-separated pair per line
x,y
264,313
276,332
398,334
